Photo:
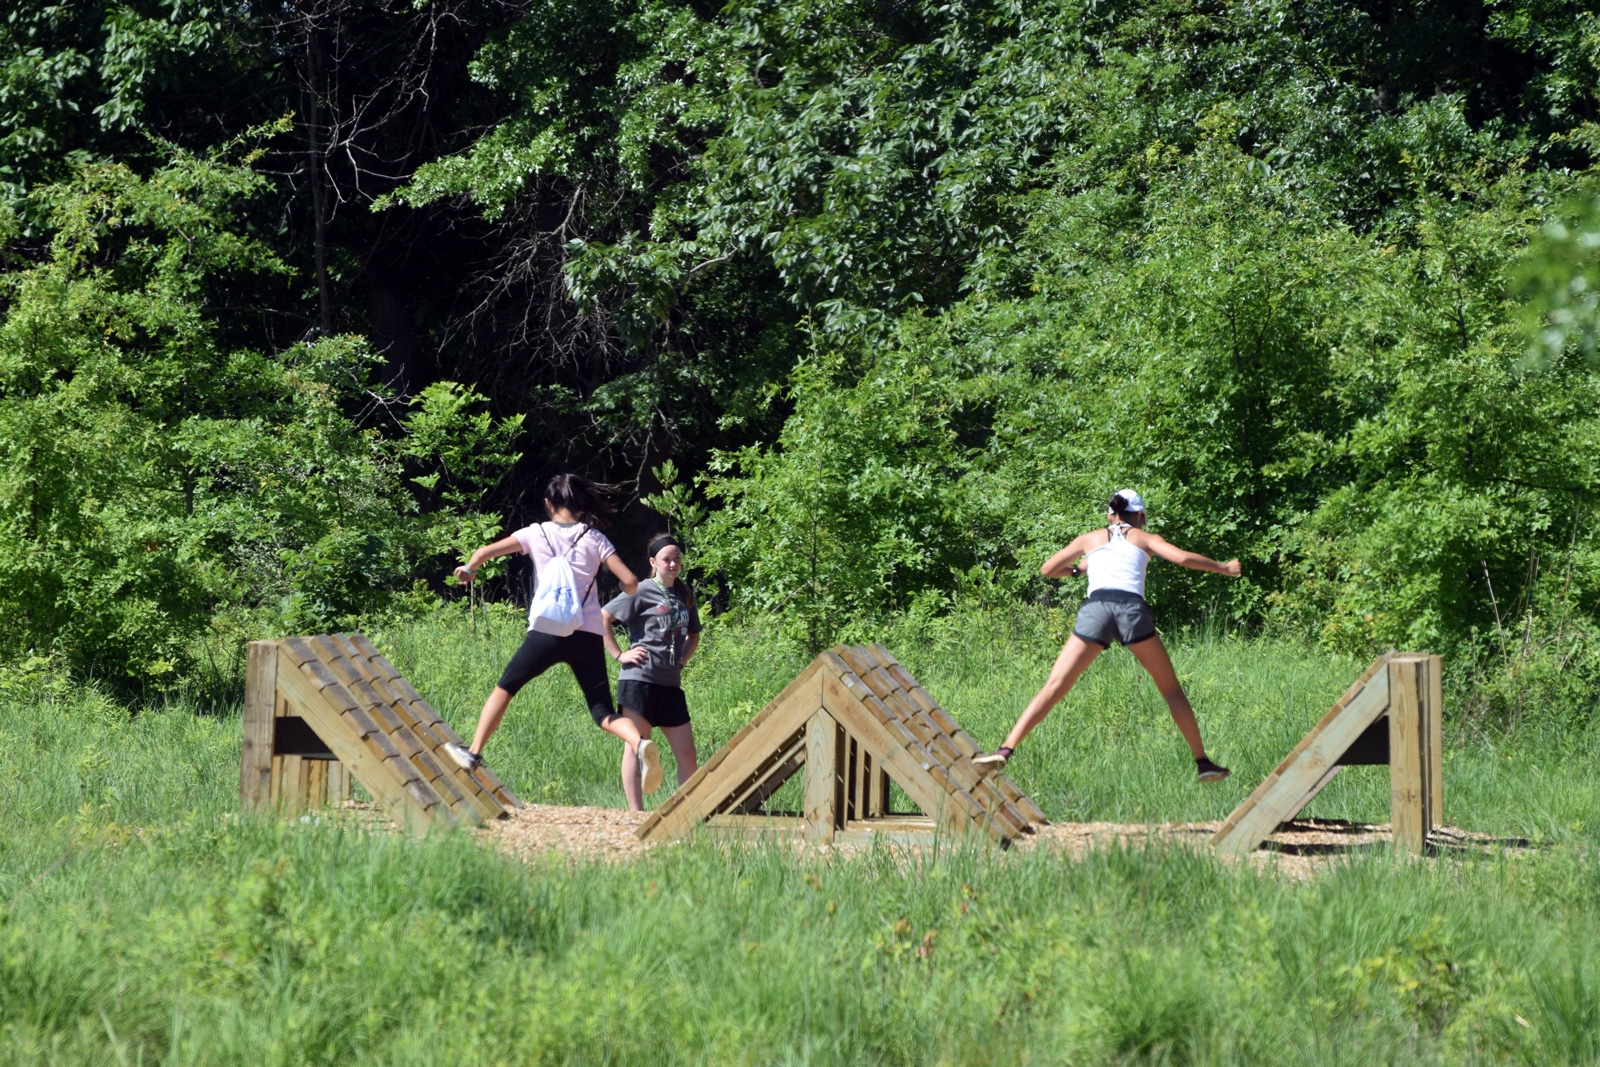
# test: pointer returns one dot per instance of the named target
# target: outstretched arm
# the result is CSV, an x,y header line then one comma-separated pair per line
x,y
630,584
506,546
1160,546
1060,564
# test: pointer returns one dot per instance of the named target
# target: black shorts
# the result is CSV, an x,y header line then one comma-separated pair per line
x,y
584,652
659,705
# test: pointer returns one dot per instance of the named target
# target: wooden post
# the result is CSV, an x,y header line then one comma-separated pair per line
x,y
1410,758
1435,693
822,807
260,707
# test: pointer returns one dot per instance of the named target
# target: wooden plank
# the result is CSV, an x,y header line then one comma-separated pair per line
x,y
762,828
848,763
1408,759
1276,799
470,790
906,823
379,776
1024,803
852,659
338,783
763,784
317,783
734,762
875,836
877,681
908,768
464,792
866,655
822,808
291,798
1378,666
774,822
260,709
296,650
1435,694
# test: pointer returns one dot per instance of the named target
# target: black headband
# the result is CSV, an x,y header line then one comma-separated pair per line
x,y
658,543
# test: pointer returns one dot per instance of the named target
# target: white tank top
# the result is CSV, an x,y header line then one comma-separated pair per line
x,y
1117,564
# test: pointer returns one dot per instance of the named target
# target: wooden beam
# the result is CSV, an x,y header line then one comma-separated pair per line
x,y
1285,791
823,810
1435,695
374,762
1409,793
736,761
485,779
260,709
912,770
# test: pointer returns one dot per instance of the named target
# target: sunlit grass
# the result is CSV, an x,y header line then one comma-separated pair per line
x,y
141,920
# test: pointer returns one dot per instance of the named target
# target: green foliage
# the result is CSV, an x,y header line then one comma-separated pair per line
x,y
1560,278
1285,319
158,482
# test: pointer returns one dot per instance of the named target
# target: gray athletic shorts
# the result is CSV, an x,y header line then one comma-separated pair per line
x,y
1102,621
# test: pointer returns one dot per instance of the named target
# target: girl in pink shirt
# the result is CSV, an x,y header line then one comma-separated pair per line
x,y
578,513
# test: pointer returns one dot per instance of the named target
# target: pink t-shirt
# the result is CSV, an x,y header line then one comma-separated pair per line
x,y
584,547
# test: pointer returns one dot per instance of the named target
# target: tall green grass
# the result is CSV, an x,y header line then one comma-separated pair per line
x,y
142,921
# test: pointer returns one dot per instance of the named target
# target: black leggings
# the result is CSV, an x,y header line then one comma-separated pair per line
x,y
584,652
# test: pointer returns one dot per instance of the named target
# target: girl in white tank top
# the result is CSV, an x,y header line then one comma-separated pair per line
x,y
1115,611
1117,564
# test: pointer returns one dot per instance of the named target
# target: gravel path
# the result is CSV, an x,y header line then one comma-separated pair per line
x,y
541,831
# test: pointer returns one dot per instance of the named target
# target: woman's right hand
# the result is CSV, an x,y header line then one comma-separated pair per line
x,y
634,656
1231,568
464,576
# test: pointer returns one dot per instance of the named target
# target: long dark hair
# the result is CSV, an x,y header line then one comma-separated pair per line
x,y
583,498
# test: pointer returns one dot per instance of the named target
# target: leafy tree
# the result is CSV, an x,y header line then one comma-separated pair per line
x,y
157,481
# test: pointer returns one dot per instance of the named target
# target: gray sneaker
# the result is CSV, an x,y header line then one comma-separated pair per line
x,y
1210,772
465,758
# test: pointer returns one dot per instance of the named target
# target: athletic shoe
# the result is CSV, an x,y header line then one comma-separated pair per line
x,y
1210,772
649,766
990,762
465,758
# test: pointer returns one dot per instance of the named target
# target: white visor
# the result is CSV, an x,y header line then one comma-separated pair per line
x,y
1135,501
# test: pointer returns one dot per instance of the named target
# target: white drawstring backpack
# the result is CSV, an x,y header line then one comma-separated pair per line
x,y
556,608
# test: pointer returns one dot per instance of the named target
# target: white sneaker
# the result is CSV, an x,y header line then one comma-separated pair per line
x,y
466,759
649,766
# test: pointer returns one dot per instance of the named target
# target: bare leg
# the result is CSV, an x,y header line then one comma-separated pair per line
x,y
494,709
681,738
632,729
1075,656
1152,656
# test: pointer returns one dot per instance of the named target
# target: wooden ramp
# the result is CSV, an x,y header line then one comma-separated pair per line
x,y
853,722
1390,715
319,710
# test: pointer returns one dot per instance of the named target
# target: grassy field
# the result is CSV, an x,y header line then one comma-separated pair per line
x,y
142,922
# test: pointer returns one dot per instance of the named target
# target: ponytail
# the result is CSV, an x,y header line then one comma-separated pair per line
x,y
582,497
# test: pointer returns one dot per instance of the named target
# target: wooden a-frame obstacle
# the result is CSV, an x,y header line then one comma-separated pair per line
x,y
1390,715
853,722
318,710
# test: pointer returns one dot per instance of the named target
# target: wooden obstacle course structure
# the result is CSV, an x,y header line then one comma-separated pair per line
x,y
852,723
322,710
1391,715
